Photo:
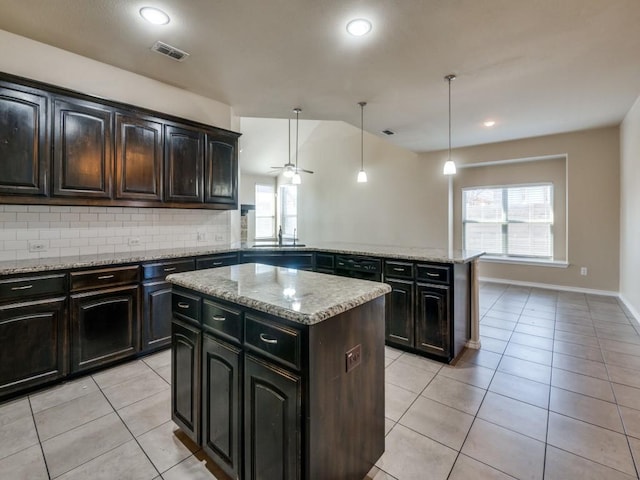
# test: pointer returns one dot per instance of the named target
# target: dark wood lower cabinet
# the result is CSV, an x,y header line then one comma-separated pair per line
x,y
33,336
221,404
104,326
156,315
432,319
272,422
399,316
185,378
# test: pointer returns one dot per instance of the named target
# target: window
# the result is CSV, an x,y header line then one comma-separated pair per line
x,y
511,221
265,211
289,209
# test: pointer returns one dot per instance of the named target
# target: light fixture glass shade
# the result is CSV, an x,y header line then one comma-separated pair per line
x,y
362,176
296,179
154,15
449,168
288,172
359,27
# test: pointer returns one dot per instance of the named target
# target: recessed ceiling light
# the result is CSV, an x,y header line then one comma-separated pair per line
x,y
489,123
155,16
359,27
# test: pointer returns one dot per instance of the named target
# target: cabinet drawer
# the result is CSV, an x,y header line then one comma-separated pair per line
x,y
432,273
30,287
101,278
325,261
398,269
273,340
162,269
222,320
186,306
217,261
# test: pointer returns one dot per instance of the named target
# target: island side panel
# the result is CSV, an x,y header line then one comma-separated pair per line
x,y
345,415
461,328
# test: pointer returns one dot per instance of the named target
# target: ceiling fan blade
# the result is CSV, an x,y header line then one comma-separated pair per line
x,y
277,168
305,171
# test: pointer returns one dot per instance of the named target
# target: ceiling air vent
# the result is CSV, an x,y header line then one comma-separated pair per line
x,y
388,132
169,51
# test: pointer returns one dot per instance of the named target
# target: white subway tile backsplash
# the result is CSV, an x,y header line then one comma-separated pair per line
x,y
91,230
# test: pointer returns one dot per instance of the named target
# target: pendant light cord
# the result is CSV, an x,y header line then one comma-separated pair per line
x,y
449,78
297,110
362,105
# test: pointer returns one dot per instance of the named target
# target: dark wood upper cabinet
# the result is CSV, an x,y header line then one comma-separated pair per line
x,y
82,149
221,170
138,158
184,158
24,155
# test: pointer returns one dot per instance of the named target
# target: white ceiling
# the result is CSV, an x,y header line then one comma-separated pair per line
x,y
535,67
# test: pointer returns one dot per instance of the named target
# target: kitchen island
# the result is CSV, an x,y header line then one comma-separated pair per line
x,y
279,373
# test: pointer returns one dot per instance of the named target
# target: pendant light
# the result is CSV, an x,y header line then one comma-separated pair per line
x,y
296,179
362,175
288,171
449,166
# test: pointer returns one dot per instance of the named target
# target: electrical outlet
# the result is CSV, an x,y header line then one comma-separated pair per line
x,y
37,246
219,237
134,241
583,271
353,357
202,236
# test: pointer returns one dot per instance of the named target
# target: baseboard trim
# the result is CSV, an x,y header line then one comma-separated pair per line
x,y
564,288
632,311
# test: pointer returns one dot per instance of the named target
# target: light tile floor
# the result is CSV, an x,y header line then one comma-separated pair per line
x,y
554,393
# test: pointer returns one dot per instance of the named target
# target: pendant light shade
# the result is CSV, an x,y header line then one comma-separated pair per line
x,y
449,166
362,175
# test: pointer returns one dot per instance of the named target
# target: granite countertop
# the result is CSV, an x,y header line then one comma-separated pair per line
x,y
107,259
296,295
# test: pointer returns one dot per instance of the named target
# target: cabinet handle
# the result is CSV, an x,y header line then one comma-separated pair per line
x,y
429,274
217,264
217,318
105,277
169,269
398,269
183,305
266,339
24,287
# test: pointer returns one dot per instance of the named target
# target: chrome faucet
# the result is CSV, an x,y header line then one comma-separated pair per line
x,y
294,236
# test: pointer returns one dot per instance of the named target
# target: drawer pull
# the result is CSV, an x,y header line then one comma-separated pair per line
x,y
183,305
169,269
398,269
429,274
217,264
24,287
218,318
266,339
105,277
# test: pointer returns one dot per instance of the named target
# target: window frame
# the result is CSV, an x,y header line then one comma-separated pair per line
x,y
283,215
272,188
505,221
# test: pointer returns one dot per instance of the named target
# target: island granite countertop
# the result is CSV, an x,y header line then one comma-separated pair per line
x,y
9,267
300,296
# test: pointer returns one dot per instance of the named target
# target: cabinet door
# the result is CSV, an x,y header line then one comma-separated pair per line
x,y
104,326
156,315
82,149
185,378
184,158
221,171
432,319
138,159
34,344
271,422
221,434
24,154
399,319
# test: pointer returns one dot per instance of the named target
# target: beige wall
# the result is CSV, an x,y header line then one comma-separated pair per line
x,y
405,201
630,209
38,61
593,171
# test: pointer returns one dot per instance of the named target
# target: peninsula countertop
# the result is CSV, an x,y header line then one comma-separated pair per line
x,y
43,264
296,295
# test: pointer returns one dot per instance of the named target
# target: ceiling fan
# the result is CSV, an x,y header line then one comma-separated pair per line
x,y
291,170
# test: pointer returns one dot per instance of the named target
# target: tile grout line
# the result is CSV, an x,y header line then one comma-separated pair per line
x,y
33,418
